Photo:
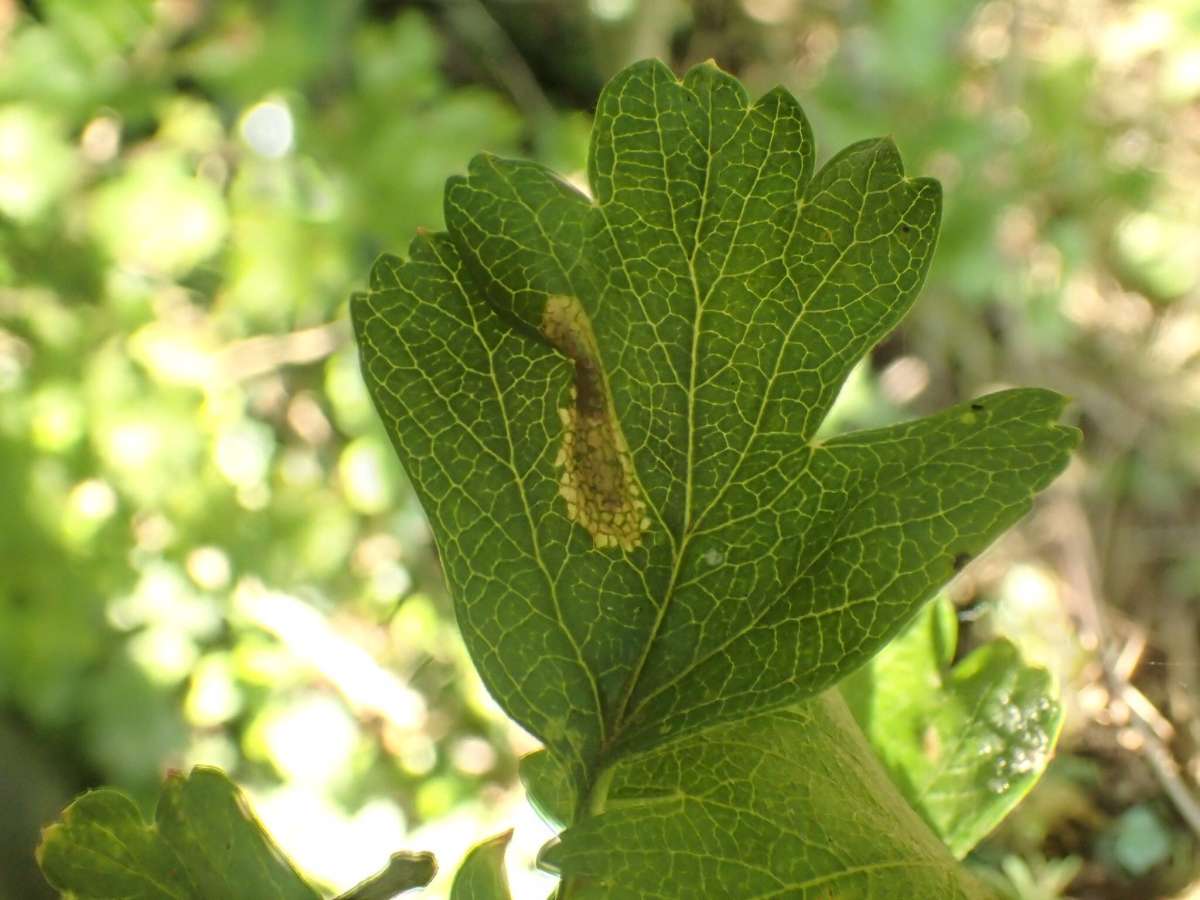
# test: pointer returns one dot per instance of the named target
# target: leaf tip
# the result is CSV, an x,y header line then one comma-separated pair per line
x,y
549,857
49,834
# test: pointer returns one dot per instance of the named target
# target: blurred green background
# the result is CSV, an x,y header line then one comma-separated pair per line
x,y
208,553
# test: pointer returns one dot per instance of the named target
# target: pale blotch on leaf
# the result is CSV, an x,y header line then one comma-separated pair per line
x,y
596,481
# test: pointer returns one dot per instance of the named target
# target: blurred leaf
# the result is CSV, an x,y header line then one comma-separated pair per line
x,y
205,844
158,217
36,164
74,57
404,872
1140,841
481,875
405,110
253,49
1033,879
963,743
132,726
1158,255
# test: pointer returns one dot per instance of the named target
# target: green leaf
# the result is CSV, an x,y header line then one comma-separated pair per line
x,y
404,872
608,410
548,787
482,876
205,844
738,809
963,743
1139,841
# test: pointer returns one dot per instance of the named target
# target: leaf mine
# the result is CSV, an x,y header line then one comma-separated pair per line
x,y
597,479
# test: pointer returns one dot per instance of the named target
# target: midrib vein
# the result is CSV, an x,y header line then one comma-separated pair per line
x,y
681,545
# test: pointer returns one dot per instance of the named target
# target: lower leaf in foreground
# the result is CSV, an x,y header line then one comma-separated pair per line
x,y
787,804
963,743
404,872
204,844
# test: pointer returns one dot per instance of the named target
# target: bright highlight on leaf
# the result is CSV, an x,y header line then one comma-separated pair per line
x,y
964,743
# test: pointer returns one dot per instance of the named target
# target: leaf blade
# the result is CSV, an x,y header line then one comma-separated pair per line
x,y
205,844
915,500
744,810
964,743
671,346
481,875
79,853
548,788
418,310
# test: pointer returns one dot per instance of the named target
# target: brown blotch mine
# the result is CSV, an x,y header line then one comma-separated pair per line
x,y
596,481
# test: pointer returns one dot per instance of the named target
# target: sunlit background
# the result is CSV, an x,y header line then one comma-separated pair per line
x,y
208,553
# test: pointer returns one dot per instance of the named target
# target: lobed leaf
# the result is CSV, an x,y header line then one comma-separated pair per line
x,y
964,743
608,408
204,844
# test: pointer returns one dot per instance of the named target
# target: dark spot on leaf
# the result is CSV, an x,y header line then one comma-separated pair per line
x,y
978,407
960,560
905,228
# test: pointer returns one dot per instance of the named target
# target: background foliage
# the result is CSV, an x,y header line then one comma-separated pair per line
x,y
208,553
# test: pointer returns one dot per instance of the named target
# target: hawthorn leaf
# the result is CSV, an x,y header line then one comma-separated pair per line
x,y
965,742
204,844
789,803
404,872
609,407
481,875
